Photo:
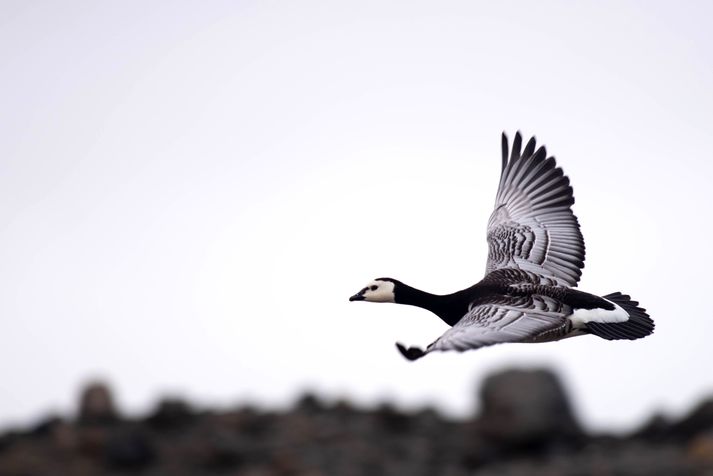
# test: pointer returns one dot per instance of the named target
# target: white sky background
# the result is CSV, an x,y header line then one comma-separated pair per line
x,y
190,191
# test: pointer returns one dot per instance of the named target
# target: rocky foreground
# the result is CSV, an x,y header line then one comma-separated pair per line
x,y
526,427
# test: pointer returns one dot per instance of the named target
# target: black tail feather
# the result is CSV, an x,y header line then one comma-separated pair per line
x,y
639,324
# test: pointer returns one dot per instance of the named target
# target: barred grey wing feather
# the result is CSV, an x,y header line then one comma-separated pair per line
x,y
523,319
533,227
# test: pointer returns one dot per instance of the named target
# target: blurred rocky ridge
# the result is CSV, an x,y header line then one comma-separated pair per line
x,y
525,427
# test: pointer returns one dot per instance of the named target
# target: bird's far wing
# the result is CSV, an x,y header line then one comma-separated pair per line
x,y
532,227
530,318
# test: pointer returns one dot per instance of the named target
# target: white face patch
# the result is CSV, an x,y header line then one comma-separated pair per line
x,y
580,317
379,291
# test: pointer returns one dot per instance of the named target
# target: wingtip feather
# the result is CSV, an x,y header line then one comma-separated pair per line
x,y
412,353
530,147
516,146
505,151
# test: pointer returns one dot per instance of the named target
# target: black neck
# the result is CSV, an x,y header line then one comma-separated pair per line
x,y
450,308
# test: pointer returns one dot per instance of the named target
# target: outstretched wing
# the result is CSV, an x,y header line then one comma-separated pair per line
x,y
532,227
531,318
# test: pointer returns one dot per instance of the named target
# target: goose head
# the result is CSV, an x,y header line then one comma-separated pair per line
x,y
379,290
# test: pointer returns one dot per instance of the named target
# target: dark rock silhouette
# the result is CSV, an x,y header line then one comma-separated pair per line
x,y
96,405
526,409
698,421
171,414
526,427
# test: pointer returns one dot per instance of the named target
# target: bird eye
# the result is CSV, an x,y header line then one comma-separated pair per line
x,y
373,288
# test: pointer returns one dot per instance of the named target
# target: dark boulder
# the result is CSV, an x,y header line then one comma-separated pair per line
x,y
96,405
171,414
526,409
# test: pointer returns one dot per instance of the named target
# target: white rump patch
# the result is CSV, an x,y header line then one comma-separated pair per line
x,y
580,317
379,291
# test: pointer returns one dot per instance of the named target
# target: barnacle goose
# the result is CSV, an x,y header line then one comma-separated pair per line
x,y
535,259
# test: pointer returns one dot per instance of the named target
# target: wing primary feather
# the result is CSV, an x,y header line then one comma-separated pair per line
x,y
530,147
505,152
545,167
540,154
516,144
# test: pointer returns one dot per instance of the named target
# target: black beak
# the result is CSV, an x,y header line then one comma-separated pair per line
x,y
357,297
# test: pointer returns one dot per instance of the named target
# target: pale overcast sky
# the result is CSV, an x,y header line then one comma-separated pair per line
x,y
190,192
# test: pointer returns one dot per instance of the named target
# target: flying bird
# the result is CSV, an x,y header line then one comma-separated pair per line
x,y
535,260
